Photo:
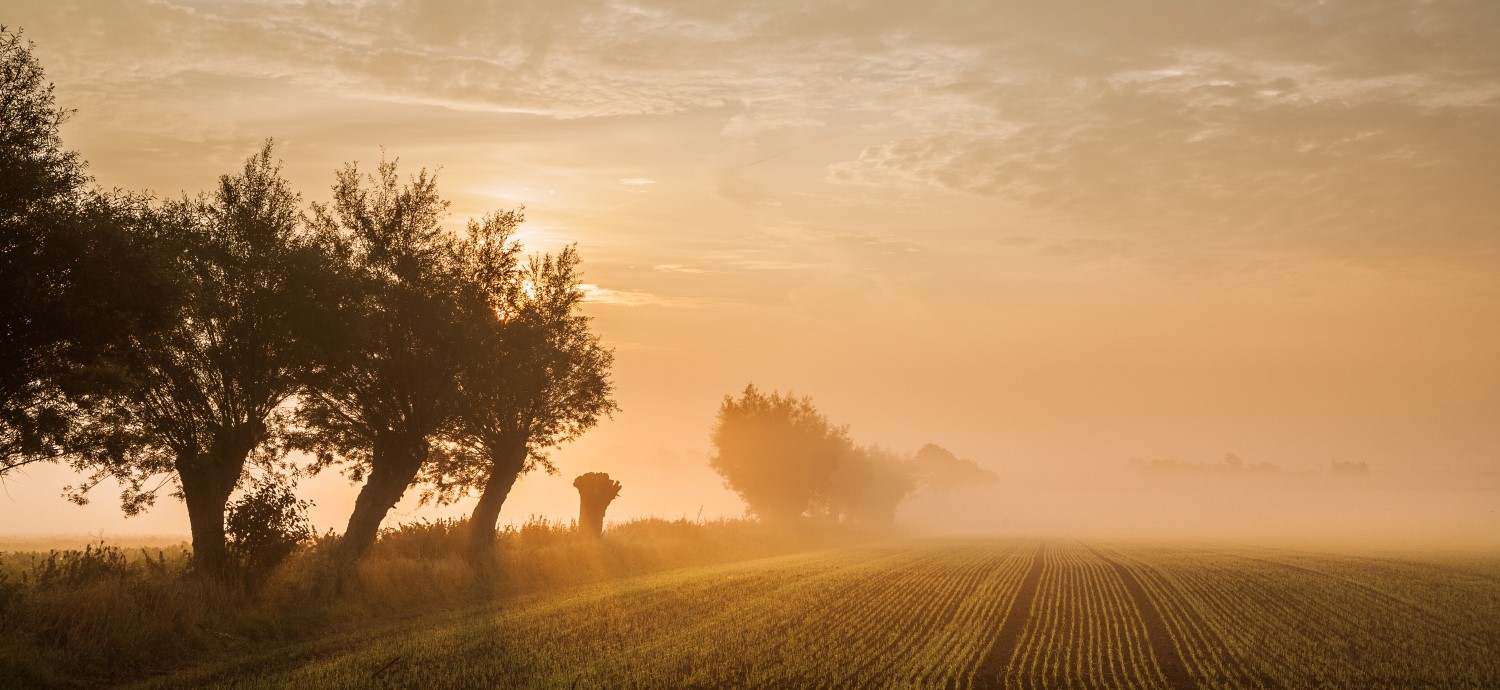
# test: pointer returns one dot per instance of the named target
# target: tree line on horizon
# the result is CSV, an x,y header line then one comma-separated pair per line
x,y
188,345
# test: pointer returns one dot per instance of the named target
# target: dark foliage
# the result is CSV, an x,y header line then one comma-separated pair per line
x,y
537,376
76,279
208,390
264,527
397,325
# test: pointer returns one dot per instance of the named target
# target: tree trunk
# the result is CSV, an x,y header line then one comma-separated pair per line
x,y
207,481
393,466
595,492
505,469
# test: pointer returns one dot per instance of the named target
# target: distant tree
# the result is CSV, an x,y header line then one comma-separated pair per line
x,y
395,336
595,492
938,468
777,452
1232,466
869,484
75,280
538,377
209,389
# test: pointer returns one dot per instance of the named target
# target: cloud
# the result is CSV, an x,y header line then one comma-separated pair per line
x,y
1348,130
628,298
1263,144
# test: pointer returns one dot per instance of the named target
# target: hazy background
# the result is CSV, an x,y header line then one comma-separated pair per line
x,y
1048,236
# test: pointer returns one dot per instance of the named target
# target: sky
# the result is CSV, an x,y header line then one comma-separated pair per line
x,y
1049,236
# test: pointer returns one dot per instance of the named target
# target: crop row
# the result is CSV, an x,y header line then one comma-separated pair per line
x,y
960,615
1258,619
1084,630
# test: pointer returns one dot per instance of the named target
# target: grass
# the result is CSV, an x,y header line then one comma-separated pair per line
x,y
44,544
926,614
105,614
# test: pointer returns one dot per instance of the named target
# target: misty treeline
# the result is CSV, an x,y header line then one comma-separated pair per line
x,y
187,346
1233,466
789,462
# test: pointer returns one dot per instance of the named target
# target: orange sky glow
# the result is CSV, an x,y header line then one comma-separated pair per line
x,y
1049,237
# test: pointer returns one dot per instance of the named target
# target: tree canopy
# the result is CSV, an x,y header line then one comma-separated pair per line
x,y
869,484
77,280
936,467
777,451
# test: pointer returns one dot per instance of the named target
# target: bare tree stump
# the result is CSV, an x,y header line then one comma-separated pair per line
x,y
595,492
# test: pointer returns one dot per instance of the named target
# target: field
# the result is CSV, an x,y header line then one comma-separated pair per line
x,y
949,614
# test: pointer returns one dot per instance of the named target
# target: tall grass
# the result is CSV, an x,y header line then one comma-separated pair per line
x,y
75,617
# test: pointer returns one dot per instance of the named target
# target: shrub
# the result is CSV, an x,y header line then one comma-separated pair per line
x,y
70,568
264,527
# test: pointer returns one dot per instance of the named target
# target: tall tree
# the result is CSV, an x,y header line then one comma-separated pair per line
x,y
538,379
210,389
75,279
395,336
778,452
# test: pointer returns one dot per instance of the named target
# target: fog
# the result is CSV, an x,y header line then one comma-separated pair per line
x,y
1403,510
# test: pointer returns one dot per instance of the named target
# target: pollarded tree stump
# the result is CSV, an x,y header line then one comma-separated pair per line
x,y
595,492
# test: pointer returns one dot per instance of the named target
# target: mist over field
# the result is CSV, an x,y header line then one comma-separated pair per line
x,y
1413,511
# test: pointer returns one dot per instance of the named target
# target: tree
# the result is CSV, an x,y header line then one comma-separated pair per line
x,y
777,452
938,468
210,389
76,279
537,378
595,492
396,327
869,484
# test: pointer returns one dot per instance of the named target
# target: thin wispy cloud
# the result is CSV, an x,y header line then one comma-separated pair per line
x,y
1294,129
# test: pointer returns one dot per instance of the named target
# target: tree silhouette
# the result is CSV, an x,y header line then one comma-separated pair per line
x,y
76,279
777,452
537,379
208,390
393,340
595,492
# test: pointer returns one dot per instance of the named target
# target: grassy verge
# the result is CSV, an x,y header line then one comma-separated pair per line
x,y
106,615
